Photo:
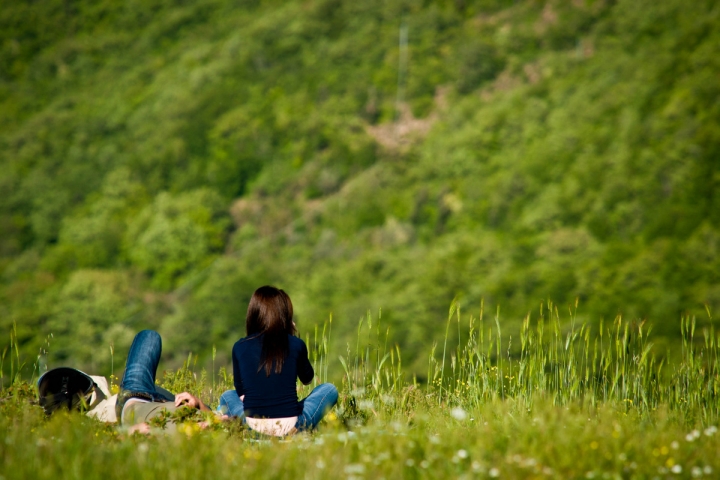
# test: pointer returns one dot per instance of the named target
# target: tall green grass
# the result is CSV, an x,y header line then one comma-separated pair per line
x,y
553,360
561,401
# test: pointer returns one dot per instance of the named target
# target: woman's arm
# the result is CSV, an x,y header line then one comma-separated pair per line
x,y
236,375
304,368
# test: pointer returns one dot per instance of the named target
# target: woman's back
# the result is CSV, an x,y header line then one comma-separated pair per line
x,y
273,395
267,364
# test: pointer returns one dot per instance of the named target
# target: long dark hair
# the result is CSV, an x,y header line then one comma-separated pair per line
x,y
270,313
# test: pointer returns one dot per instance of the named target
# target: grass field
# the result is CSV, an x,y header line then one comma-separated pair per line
x,y
561,401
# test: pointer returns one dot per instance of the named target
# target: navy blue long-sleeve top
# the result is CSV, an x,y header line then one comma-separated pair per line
x,y
273,396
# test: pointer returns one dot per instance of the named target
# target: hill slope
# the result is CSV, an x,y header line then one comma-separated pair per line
x,y
161,160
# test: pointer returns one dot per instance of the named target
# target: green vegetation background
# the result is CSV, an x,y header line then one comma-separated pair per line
x,y
160,159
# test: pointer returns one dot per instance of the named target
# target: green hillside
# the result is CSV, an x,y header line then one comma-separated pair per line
x,y
159,160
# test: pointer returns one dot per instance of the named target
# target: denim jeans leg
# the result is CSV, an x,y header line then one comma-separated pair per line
x,y
316,405
142,363
230,404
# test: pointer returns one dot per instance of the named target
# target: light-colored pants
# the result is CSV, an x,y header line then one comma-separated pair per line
x,y
315,406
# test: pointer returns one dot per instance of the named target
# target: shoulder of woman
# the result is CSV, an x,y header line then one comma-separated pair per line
x,y
247,339
297,342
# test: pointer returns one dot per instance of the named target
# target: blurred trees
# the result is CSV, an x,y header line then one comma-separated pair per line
x,y
160,160
174,235
91,314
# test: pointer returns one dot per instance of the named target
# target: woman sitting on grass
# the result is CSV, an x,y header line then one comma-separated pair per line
x,y
266,364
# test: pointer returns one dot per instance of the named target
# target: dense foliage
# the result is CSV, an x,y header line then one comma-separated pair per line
x,y
159,160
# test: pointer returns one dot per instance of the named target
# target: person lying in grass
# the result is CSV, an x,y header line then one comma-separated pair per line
x,y
140,403
266,366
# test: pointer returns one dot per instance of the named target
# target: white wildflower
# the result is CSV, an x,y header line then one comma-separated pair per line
x,y
462,453
494,472
458,413
355,469
676,469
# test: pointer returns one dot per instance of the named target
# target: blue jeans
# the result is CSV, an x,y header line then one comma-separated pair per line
x,y
315,406
140,369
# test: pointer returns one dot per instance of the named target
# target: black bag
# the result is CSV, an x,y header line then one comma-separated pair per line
x,y
64,387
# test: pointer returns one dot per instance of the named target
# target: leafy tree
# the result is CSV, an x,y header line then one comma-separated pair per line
x,y
175,234
93,312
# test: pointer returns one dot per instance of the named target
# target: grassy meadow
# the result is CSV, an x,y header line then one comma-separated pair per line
x,y
568,403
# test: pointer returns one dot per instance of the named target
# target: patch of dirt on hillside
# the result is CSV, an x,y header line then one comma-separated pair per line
x,y
407,129
504,82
